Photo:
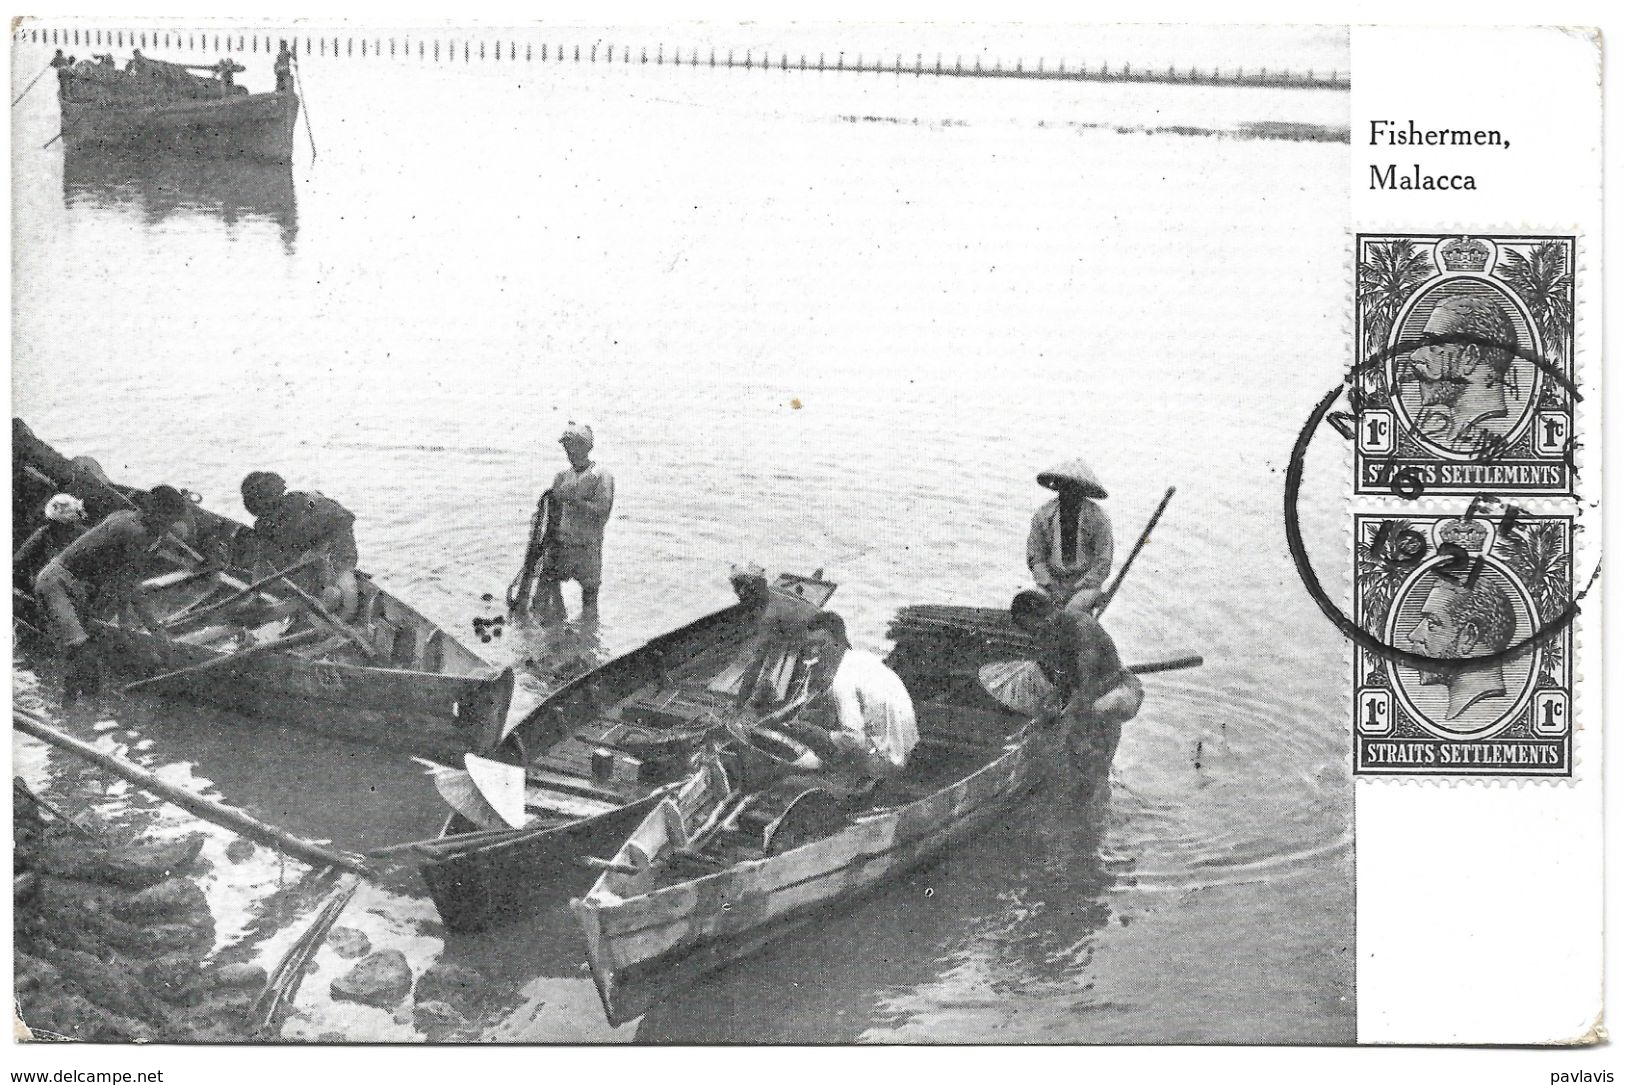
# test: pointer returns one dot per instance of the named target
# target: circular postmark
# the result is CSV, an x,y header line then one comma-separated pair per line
x,y
1429,561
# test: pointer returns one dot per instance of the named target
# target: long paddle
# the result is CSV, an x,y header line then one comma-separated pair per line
x,y
322,614
1106,598
1178,663
189,614
229,660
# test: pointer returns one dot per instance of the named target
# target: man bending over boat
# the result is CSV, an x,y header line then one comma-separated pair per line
x,y
861,719
111,557
1096,694
291,525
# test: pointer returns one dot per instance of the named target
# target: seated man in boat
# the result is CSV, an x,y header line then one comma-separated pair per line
x,y
111,557
860,719
1069,546
65,521
769,659
292,525
1095,693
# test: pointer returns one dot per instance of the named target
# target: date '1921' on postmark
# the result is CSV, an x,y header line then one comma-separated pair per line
x,y
1475,606
1466,344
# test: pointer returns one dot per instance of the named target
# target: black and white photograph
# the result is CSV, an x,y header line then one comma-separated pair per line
x,y
757,534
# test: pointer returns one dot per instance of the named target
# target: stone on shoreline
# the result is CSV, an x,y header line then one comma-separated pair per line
x,y
381,979
167,898
349,943
132,867
242,974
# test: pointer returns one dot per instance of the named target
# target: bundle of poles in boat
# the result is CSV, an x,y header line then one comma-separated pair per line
x,y
991,625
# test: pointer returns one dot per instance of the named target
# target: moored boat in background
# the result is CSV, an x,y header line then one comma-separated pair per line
x,y
157,106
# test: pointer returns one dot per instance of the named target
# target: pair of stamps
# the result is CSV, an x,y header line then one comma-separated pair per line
x,y
1466,512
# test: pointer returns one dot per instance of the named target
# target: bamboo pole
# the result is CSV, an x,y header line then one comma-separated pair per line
x,y
226,661
188,614
1106,597
238,822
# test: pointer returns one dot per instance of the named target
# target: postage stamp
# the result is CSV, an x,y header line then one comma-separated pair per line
x,y
1466,345
1475,608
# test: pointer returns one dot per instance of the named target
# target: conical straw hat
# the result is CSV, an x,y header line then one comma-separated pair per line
x,y
474,802
1020,686
1073,471
502,785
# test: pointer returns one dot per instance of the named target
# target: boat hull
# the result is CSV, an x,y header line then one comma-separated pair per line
x,y
251,126
431,697
641,947
508,882
504,882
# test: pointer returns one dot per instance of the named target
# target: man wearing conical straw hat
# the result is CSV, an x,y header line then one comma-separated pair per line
x,y
1069,548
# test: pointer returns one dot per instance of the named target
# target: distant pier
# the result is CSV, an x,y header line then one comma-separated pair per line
x,y
464,49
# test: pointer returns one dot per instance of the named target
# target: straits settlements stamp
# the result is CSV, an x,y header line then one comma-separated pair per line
x,y
1475,610
1465,381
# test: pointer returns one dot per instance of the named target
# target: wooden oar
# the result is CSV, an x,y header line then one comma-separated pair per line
x,y
322,614
1178,663
1106,598
231,659
189,614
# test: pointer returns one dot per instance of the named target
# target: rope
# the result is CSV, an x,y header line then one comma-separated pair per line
x,y
299,81
30,86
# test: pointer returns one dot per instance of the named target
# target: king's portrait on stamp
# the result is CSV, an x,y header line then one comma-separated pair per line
x,y
1464,346
1478,681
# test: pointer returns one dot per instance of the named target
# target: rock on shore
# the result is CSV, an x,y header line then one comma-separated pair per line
x,y
112,939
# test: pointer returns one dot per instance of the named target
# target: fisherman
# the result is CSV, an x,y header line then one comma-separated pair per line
x,y
59,61
1069,548
860,720
1095,693
292,525
65,521
110,557
284,69
583,493
770,657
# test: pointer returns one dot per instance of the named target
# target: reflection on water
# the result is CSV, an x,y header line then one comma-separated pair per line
x,y
772,377
159,186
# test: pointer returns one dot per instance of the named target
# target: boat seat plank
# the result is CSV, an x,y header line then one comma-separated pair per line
x,y
575,785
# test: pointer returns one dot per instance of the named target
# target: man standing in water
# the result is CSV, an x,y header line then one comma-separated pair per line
x,y
1080,660
1069,548
111,557
583,493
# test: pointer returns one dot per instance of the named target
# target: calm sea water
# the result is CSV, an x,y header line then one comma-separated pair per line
x,y
828,321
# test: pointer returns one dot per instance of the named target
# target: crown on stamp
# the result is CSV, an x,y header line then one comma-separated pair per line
x,y
1470,535
1465,254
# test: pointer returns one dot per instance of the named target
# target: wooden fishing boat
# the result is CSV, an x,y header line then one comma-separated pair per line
x,y
719,867
161,107
387,676
603,749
